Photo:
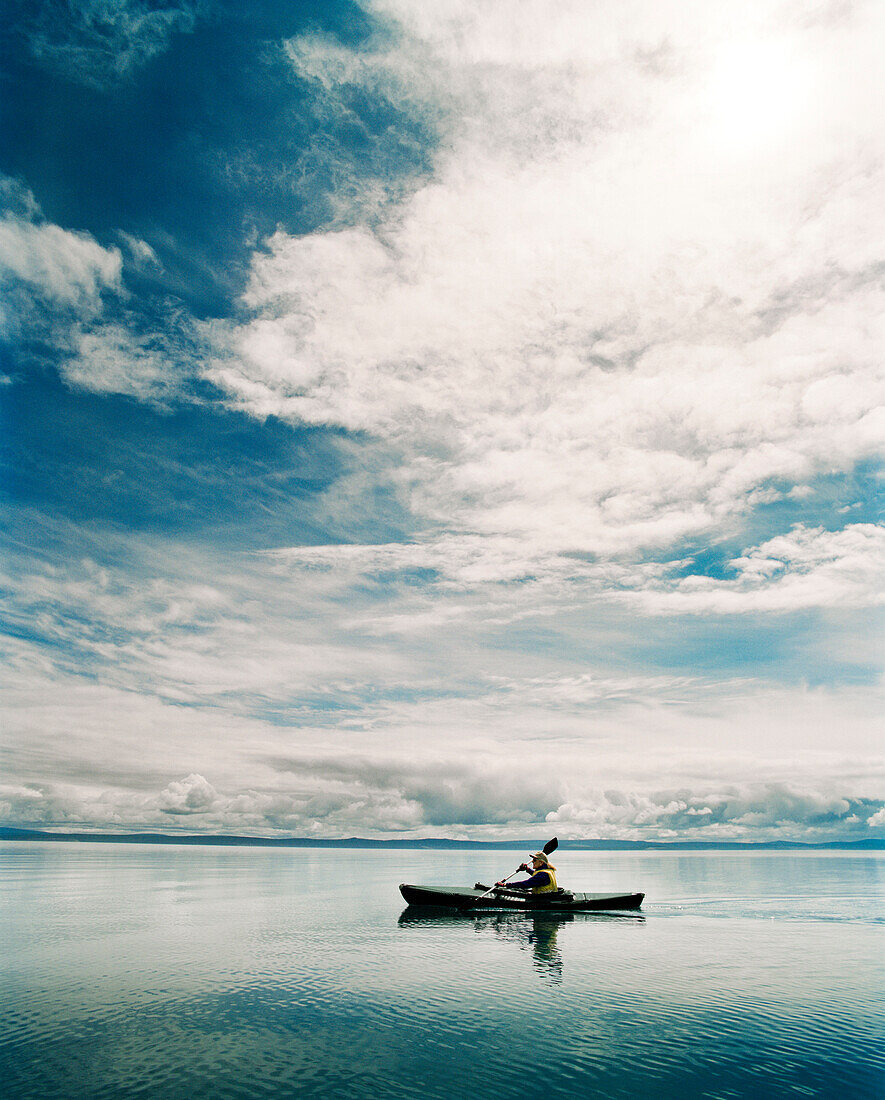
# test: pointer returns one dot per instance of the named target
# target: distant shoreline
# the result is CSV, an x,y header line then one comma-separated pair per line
x,y
439,843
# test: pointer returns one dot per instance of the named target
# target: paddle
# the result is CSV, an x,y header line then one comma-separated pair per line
x,y
549,847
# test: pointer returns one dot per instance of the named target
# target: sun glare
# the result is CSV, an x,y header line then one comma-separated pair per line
x,y
758,94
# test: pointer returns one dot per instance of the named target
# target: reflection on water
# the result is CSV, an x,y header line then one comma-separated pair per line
x,y
535,932
240,973
542,939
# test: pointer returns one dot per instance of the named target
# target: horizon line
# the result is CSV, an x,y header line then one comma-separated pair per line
x,y
233,840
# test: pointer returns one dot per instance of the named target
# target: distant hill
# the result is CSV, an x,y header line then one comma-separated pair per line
x,y
7,833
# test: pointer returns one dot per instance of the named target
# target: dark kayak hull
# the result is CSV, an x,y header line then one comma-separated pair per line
x,y
462,897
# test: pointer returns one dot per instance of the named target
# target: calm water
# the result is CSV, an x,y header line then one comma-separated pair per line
x,y
239,972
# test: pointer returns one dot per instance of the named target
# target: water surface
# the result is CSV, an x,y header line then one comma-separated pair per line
x,y
132,970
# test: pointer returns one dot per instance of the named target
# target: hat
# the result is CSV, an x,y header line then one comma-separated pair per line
x,y
542,856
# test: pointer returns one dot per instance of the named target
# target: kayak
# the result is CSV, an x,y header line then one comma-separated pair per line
x,y
465,897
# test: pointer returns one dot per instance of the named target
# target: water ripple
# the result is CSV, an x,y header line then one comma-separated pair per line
x,y
130,974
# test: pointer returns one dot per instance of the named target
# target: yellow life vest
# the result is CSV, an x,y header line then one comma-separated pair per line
x,y
551,885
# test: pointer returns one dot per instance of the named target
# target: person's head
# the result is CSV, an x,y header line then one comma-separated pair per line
x,y
539,861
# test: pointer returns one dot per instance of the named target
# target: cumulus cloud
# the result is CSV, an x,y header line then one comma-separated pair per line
x,y
772,810
191,795
330,798
440,792
37,804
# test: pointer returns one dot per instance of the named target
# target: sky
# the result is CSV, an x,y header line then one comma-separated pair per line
x,y
457,419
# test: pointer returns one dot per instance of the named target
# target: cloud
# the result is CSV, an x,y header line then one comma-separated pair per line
x,y
331,645
191,795
253,705
581,305
587,330
65,291
101,42
770,810
330,798
809,567
141,252
806,568
113,357
440,792
66,270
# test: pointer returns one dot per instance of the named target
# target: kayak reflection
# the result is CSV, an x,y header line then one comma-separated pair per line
x,y
537,932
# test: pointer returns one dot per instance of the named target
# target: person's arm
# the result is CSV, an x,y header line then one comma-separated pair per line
x,y
539,878
514,885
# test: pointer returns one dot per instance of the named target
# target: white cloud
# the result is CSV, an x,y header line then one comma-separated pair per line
x,y
141,252
236,707
191,795
99,42
108,357
67,269
590,329
774,811
191,693
59,287
617,313
327,799
809,567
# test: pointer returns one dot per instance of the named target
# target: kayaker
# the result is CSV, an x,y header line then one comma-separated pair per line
x,y
543,879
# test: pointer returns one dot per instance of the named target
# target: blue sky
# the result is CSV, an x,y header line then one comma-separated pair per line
x,y
443,420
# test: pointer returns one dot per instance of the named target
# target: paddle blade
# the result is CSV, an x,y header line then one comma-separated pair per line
x,y
550,846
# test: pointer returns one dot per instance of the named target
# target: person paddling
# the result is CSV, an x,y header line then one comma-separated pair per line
x,y
543,879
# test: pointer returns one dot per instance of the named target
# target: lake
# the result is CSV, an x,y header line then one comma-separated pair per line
x,y
164,971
